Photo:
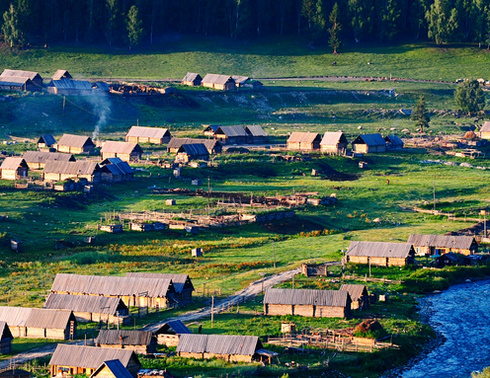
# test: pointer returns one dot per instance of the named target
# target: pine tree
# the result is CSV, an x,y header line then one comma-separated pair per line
x,y
420,114
469,97
10,28
134,26
334,29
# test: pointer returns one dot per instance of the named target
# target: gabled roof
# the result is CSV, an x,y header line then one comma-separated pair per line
x,y
198,149
355,291
302,137
240,79
179,280
75,140
123,337
20,73
111,285
147,132
379,249
84,303
78,85
174,326
485,127
255,130
231,131
43,156
61,74
13,163
117,164
5,331
442,241
370,140
35,317
89,357
332,138
335,298
14,81
101,86
217,79
219,344
47,139
178,142
212,128
71,167
120,147
191,76
395,140
116,368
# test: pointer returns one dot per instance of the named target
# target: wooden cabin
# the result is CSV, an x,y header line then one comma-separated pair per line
x,y
220,82
212,145
18,80
192,79
39,323
484,132
255,134
71,360
304,141
14,168
314,270
334,143
134,291
307,302
188,152
426,245
46,140
61,74
380,253
227,347
5,338
393,142
111,369
75,144
38,159
126,151
369,143
231,135
141,342
182,283
209,130
169,333
55,170
154,135
90,308
68,87
115,170
358,295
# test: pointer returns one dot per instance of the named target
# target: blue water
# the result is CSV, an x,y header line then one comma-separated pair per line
x,y
462,315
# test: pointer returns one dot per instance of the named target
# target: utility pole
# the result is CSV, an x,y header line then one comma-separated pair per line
x,y
212,311
434,194
274,253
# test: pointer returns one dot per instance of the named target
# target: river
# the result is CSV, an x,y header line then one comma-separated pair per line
x,y
461,315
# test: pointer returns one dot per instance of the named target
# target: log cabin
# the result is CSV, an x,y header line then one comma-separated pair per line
x,y
307,302
369,143
19,80
334,143
126,151
169,333
358,294
304,141
143,134
61,74
115,170
46,140
255,134
74,360
213,146
182,283
220,82
188,152
75,144
192,79
231,134
68,87
14,168
141,342
393,142
426,245
63,170
380,253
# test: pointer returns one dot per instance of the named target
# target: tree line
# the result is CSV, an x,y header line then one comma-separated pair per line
x,y
131,22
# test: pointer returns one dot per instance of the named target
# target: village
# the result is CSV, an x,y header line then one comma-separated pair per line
x,y
108,307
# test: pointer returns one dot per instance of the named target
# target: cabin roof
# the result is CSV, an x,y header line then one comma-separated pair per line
x,y
443,241
35,317
379,249
12,163
48,139
178,142
195,149
7,73
335,298
395,140
485,127
179,280
217,79
255,130
61,74
240,79
120,147
191,76
232,131
78,85
370,140
85,303
75,141
71,167
43,156
355,291
147,132
219,344
116,368
174,325
89,357
123,337
303,137
5,331
115,164
332,138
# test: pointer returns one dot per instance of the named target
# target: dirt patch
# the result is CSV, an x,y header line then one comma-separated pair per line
x,y
329,173
292,226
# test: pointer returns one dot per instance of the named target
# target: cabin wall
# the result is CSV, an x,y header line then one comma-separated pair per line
x,y
6,346
168,340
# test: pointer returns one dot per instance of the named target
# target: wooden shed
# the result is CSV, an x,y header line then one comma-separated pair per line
x,y
141,342
111,369
314,270
115,170
255,134
369,143
188,152
182,283
46,140
227,347
240,81
192,79
484,132
307,302
304,141
39,323
71,360
169,333
5,338
209,130
38,159
358,294
19,80
334,143
61,74
221,82
68,87
75,144
14,168
380,253
90,308
426,245
144,134
212,145
126,151
394,142
134,291
231,134
55,170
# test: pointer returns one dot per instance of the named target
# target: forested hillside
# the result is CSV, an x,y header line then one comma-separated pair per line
x,y
132,22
